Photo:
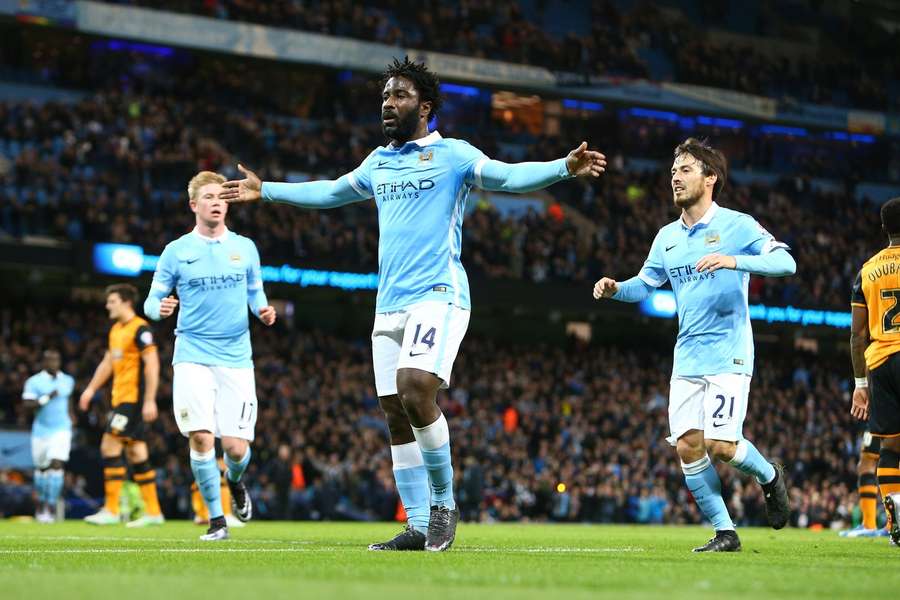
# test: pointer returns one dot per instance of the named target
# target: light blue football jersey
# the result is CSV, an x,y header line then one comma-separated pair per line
x,y
421,190
714,332
216,280
53,416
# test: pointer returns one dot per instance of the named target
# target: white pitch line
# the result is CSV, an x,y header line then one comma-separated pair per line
x,y
548,550
307,549
110,538
151,550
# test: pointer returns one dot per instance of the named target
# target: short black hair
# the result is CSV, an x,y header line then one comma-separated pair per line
x,y
890,216
426,83
712,161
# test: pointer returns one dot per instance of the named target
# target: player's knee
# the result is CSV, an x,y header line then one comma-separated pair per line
x,y
235,448
689,450
393,410
720,450
867,464
202,441
414,386
136,452
110,446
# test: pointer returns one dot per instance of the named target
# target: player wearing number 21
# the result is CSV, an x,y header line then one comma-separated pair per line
x,y
217,275
420,182
707,255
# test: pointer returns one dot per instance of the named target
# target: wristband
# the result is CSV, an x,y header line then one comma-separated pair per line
x,y
43,400
861,382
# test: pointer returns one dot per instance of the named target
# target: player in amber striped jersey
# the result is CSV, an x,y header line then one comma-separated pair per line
x,y
133,364
875,350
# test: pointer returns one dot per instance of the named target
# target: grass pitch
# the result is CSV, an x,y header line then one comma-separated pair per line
x,y
269,560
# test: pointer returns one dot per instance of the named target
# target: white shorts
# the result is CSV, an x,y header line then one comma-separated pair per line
x,y
221,400
50,447
714,404
424,336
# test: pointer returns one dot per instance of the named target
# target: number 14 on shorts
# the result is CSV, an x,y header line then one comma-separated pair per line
x,y
424,344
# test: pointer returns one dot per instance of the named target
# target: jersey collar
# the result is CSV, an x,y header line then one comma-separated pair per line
x,y
429,139
212,240
704,220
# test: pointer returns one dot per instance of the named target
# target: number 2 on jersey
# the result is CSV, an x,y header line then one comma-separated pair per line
x,y
887,321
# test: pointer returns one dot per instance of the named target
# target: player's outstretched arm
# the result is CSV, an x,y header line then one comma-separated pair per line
x,y
495,175
309,194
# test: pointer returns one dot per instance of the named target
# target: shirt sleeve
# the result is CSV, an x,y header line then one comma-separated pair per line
x,y
654,272
164,280
143,338
256,296
68,386
755,239
857,297
360,178
469,160
30,391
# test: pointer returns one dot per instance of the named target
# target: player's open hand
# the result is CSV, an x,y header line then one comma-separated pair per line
x,y
860,406
248,189
149,412
605,288
167,306
267,315
582,162
84,402
714,262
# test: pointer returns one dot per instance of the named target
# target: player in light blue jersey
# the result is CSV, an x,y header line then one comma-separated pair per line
x,y
51,433
420,182
707,256
216,273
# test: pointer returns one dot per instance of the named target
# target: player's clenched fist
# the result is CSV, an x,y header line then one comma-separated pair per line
x,y
267,315
167,306
605,288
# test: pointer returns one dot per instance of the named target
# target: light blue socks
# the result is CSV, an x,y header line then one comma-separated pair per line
x,y
208,478
412,484
236,469
704,483
434,442
748,459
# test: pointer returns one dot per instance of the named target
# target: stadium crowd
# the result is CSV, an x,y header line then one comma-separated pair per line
x,y
540,432
606,40
112,168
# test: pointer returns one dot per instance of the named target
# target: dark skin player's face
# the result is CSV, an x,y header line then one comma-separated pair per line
x,y
51,361
403,116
